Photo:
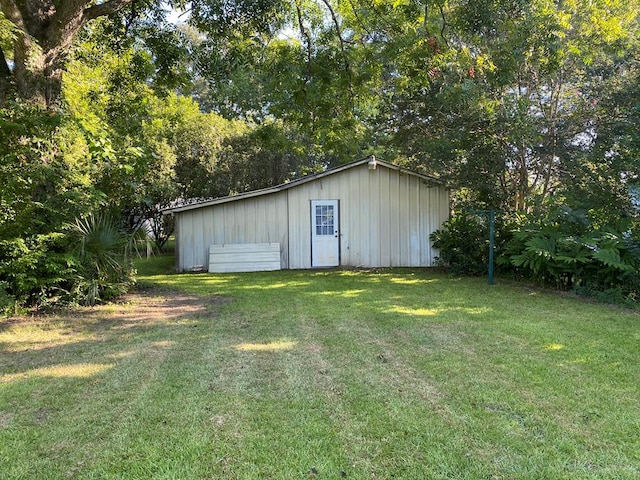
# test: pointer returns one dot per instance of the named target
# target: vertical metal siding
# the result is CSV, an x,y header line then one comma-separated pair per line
x,y
345,219
257,220
395,243
176,233
300,222
425,205
359,230
386,217
414,226
403,219
373,230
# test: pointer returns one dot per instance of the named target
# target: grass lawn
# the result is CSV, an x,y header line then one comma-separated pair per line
x,y
402,374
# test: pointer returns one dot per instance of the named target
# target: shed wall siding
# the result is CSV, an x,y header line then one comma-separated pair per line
x,y
254,220
386,217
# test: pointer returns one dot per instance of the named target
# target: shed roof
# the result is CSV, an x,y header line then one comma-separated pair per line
x,y
371,160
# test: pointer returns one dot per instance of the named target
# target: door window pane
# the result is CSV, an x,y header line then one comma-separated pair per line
x,y
324,220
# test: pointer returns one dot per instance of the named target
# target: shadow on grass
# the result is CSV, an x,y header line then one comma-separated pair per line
x,y
397,293
81,342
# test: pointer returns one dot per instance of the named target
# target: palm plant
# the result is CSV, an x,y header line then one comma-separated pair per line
x,y
105,260
599,259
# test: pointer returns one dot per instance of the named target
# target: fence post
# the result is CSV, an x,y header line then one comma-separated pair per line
x,y
492,235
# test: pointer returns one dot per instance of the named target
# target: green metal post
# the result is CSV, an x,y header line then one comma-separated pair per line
x,y
492,234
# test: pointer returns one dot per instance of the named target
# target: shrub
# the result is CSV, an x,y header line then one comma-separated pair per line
x,y
575,256
563,250
35,270
47,184
463,243
105,259
7,301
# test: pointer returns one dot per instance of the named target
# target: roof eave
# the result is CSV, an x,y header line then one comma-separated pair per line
x,y
297,182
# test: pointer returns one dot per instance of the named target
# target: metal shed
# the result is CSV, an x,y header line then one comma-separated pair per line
x,y
367,213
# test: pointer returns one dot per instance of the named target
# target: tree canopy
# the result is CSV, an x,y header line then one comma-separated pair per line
x,y
527,106
43,32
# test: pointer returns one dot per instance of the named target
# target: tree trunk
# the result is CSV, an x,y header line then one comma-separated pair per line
x,y
45,32
5,79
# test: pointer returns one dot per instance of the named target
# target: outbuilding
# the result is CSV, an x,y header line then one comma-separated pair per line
x,y
367,213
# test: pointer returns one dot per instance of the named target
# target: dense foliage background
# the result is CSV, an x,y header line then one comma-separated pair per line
x,y
110,112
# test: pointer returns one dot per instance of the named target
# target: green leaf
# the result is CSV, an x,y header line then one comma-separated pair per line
x,y
611,258
542,246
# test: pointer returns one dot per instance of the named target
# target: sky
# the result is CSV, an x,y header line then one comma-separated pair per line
x,y
176,16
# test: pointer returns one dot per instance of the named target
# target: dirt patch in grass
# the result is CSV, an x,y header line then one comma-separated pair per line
x,y
139,311
149,305
138,306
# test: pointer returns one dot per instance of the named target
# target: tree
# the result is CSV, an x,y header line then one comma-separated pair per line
x,y
107,94
148,146
45,185
501,98
44,32
300,65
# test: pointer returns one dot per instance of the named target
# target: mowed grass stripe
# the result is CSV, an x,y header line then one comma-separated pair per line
x,y
391,374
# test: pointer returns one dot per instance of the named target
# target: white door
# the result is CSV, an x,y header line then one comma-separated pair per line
x,y
325,235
